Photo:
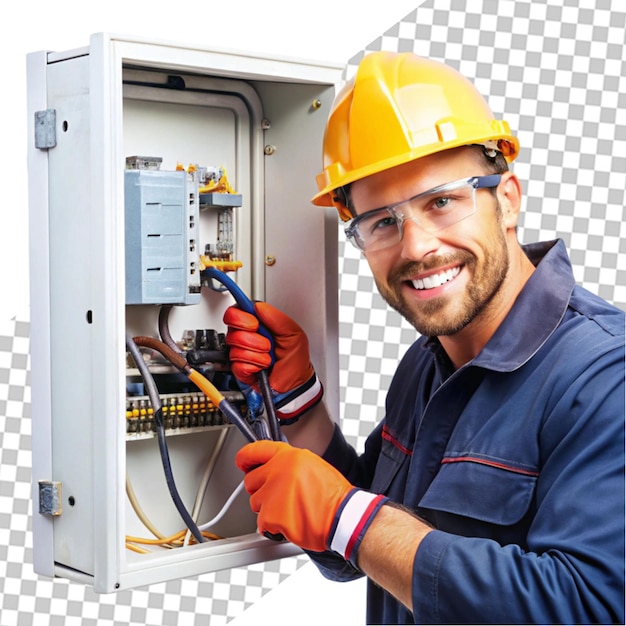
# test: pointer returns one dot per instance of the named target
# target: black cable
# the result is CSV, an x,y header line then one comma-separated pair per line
x,y
270,409
164,330
157,408
169,477
211,357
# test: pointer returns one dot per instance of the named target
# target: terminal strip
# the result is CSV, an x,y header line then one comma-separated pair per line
x,y
181,412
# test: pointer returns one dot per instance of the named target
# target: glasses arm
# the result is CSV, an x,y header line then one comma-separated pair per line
x,y
485,182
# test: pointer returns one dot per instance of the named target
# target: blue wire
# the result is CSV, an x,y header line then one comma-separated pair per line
x,y
242,300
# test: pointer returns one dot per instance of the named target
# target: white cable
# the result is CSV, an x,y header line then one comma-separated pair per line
x,y
227,505
206,477
130,492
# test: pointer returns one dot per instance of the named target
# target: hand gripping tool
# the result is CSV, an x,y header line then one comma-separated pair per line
x,y
245,304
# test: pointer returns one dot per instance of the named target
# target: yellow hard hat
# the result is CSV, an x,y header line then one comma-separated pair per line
x,y
400,107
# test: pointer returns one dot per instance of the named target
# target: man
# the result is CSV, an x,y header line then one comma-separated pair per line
x,y
493,489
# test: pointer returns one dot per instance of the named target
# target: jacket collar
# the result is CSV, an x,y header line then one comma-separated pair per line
x,y
536,314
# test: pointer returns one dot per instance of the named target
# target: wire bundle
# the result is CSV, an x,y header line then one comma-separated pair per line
x,y
155,401
170,351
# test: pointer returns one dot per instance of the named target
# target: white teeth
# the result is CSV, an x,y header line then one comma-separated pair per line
x,y
436,280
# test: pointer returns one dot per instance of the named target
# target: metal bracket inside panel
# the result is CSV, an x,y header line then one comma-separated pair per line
x,y
50,498
45,129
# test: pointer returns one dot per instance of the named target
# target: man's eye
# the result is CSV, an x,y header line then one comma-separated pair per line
x,y
381,224
441,203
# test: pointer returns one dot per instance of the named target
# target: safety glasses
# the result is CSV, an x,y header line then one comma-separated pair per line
x,y
432,210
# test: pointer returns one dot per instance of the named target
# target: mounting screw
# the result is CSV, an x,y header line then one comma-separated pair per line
x,y
269,149
270,260
317,104
265,124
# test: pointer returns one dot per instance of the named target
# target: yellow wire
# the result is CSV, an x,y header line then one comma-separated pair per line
x,y
130,546
155,542
205,386
177,537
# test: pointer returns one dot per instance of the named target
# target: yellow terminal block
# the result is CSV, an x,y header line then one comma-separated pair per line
x,y
225,266
180,412
221,186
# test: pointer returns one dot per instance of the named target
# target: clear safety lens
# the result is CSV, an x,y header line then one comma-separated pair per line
x,y
432,210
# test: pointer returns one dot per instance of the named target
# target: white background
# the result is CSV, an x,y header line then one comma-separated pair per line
x,y
329,30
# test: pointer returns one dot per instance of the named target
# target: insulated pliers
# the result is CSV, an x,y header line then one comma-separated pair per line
x,y
245,304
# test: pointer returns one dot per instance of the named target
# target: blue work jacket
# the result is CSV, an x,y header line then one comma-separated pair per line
x,y
516,459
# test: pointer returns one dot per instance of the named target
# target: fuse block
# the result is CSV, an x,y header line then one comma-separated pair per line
x,y
161,237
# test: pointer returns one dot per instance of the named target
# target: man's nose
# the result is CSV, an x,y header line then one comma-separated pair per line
x,y
416,242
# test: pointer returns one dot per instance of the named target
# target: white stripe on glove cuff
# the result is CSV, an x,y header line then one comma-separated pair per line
x,y
290,406
352,521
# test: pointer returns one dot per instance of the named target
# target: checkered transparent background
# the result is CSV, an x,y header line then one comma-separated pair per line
x,y
554,70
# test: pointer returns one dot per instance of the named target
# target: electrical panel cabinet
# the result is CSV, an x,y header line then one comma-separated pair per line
x,y
148,162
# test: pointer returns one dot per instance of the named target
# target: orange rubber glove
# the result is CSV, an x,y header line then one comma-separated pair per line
x,y
299,495
292,377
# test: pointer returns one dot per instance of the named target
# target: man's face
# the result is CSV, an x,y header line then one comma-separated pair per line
x,y
442,281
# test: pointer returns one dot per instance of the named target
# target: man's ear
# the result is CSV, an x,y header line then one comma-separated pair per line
x,y
510,198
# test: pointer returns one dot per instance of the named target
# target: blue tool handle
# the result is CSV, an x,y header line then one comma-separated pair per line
x,y
245,304
242,300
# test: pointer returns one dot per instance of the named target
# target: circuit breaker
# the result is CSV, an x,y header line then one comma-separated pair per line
x,y
161,232
154,168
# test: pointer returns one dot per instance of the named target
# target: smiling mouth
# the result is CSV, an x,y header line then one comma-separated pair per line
x,y
436,280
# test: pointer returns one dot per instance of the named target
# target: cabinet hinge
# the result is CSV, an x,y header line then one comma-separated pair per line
x,y
50,498
45,129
